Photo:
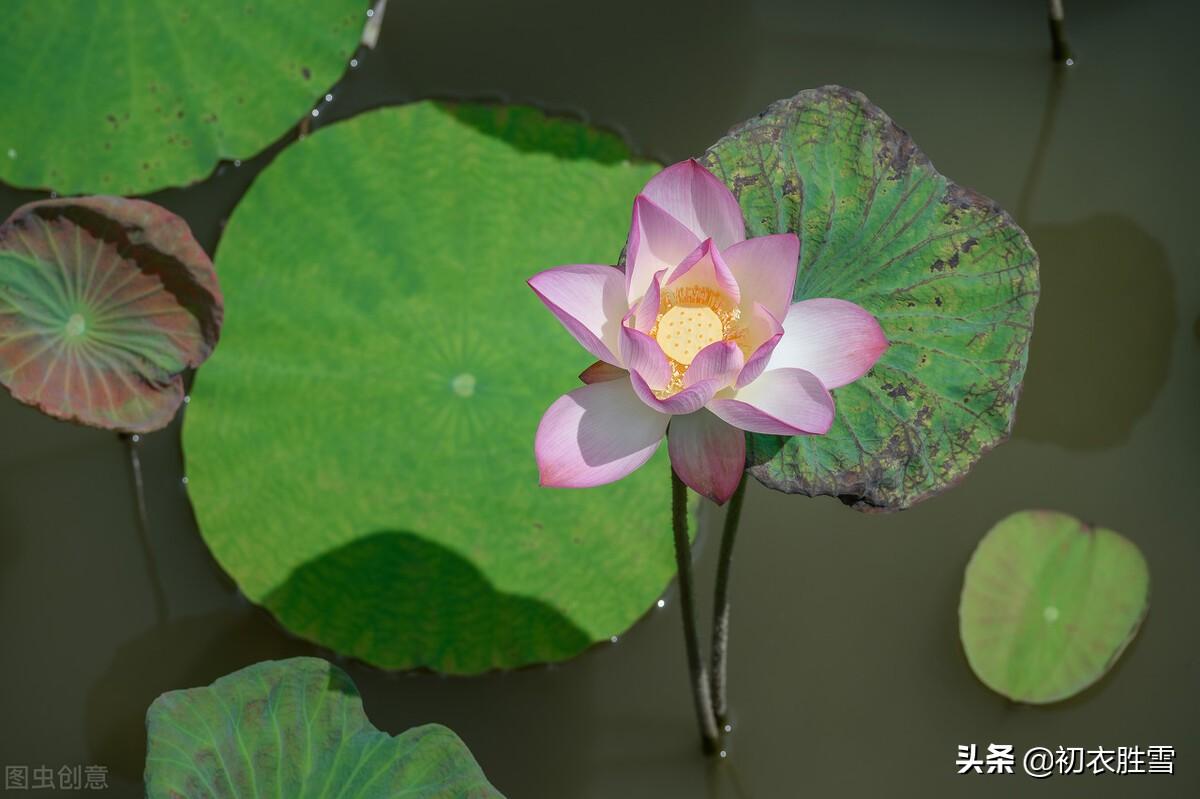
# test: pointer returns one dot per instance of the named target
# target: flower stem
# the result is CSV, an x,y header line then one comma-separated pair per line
x,y
720,625
687,606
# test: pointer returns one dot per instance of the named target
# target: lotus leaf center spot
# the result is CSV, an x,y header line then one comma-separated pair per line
x,y
76,326
684,330
463,384
1050,614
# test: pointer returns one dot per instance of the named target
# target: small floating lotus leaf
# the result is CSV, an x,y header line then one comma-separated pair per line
x,y
104,302
948,274
296,728
128,97
1048,605
360,448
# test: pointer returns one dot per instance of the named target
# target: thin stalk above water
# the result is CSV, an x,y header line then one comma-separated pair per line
x,y
687,606
720,624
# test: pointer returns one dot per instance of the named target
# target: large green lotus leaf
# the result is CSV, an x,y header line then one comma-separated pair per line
x,y
296,728
1048,605
129,96
104,302
360,448
948,274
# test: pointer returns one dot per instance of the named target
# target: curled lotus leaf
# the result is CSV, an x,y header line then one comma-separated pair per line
x,y
951,278
296,728
104,302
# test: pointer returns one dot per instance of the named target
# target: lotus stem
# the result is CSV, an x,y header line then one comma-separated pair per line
x,y
1060,50
687,607
139,489
720,624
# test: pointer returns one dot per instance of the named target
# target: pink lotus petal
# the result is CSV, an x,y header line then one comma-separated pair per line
x,y
642,356
657,241
785,402
760,324
601,372
720,361
596,434
589,300
763,333
705,267
834,339
687,400
756,364
765,269
707,454
646,312
691,194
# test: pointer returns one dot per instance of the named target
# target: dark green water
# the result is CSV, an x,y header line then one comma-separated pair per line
x,y
847,678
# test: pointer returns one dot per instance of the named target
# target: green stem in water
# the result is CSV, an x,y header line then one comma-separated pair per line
x,y
687,606
720,624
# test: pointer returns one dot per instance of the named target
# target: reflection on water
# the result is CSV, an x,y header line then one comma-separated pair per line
x,y
1105,317
153,577
1045,136
1103,332
725,781
182,654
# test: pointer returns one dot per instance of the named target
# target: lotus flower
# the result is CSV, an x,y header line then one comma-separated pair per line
x,y
698,339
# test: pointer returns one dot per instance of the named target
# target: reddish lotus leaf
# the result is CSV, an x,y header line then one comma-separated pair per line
x,y
104,302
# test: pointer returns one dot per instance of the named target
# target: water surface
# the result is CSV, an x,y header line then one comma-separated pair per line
x,y
847,676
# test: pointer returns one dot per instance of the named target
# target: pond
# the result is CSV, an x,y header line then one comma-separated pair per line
x,y
847,675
